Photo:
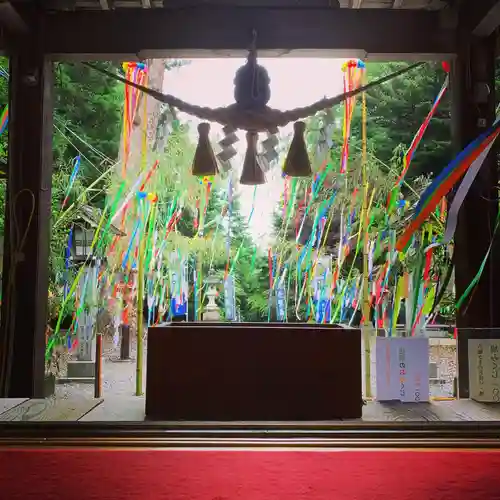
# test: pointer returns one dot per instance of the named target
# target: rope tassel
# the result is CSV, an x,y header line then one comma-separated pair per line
x,y
297,163
252,174
204,163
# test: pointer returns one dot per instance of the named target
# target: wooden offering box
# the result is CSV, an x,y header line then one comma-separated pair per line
x,y
247,372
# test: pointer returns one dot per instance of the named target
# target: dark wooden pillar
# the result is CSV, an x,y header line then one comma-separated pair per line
x,y
27,219
473,94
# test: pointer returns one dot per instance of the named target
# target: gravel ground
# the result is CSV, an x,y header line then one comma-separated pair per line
x,y
118,377
446,359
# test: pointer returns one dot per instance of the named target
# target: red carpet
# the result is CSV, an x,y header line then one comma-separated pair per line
x,y
248,475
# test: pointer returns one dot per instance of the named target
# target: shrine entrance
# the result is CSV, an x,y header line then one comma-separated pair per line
x,y
464,38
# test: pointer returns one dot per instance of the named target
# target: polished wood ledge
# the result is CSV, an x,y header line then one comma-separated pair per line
x,y
243,435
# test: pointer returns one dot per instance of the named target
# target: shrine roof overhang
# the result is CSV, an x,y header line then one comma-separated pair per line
x,y
140,29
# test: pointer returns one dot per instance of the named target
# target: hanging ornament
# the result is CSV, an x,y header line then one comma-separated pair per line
x,y
325,141
252,174
204,162
250,112
297,163
228,151
261,117
252,89
269,146
252,93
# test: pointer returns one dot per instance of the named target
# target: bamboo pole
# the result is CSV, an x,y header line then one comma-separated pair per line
x,y
199,281
366,326
143,130
140,315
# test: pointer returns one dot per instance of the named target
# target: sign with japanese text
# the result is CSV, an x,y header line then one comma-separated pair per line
x,y
321,284
229,298
484,370
402,369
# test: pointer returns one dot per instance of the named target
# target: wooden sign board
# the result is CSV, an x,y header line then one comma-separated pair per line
x,y
402,369
484,370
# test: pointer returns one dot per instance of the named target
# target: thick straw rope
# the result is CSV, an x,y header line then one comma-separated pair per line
x,y
255,121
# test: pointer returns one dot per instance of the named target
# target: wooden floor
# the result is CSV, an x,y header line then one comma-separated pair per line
x,y
46,410
434,411
131,409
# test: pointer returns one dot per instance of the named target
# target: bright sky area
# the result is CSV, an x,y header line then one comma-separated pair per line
x,y
294,82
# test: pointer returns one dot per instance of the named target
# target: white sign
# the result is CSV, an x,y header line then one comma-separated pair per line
x,y
280,303
402,369
484,370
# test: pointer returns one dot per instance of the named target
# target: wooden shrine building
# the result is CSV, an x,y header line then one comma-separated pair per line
x,y
36,33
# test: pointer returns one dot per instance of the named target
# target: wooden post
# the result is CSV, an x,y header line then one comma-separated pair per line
x,y
98,366
27,219
140,313
124,342
199,280
473,94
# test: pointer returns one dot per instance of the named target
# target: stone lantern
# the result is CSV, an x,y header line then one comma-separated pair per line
x,y
211,310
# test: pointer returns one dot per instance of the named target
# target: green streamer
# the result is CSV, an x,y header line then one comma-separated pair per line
x,y
149,243
417,281
477,277
112,212
51,342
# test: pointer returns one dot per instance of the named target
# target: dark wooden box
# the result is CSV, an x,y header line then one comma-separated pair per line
x,y
253,373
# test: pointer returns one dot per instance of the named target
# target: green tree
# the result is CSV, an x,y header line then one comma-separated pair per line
x,y
395,111
87,117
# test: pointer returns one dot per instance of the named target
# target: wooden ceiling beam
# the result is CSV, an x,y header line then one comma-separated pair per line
x,y
11,19
489,22
222,31
480,18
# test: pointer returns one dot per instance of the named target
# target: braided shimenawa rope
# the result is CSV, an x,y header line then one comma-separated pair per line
x,y
255,121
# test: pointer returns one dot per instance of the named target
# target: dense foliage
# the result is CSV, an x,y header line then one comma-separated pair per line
x,y
88,110
394,113
209,250
398,108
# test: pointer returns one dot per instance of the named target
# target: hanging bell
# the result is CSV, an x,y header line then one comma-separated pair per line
x,y
252,174
297,163
204,162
